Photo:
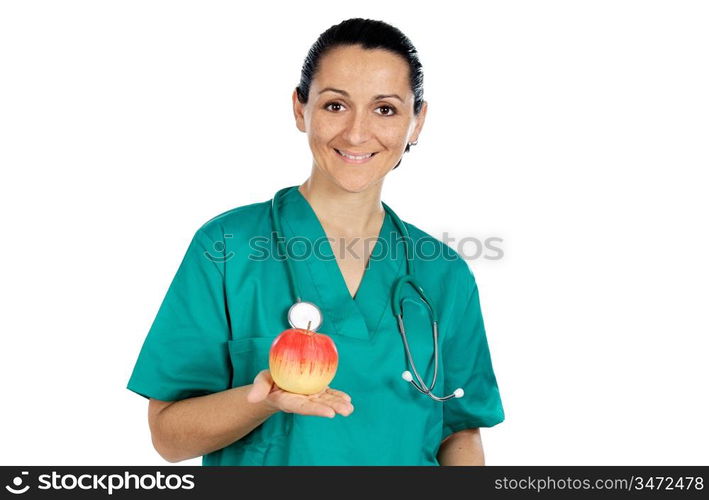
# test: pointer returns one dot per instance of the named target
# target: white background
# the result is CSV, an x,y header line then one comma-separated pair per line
x,y
576,131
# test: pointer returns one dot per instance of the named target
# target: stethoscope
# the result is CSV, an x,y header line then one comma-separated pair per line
x,y
303,314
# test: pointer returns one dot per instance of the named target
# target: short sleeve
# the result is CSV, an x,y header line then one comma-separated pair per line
x,y
185,352
468,365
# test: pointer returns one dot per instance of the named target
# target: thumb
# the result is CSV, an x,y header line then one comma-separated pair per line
x,y
261,387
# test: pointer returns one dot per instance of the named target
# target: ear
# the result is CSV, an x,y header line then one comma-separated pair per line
x,y
420,119
298,112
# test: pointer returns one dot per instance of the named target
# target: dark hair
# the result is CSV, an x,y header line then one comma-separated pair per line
x,y
370,34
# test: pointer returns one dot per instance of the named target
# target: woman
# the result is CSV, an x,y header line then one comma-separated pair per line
x,y
204,362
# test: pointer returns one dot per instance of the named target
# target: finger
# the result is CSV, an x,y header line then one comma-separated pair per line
x,y
261,387
335,392
345,409
314,408
336,402
334,398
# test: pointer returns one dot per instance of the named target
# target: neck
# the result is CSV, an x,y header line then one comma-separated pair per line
x,y
344,212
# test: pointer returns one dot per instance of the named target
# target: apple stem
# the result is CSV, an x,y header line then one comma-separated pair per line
x,y
308,325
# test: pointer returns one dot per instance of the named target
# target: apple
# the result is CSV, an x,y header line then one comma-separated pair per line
x,y
302,361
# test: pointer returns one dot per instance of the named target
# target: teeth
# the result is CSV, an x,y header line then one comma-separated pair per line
x,y
354,157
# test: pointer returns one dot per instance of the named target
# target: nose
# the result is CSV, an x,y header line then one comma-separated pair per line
x,y
357,129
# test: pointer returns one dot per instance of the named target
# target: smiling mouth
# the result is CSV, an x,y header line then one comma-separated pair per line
x,y
357,158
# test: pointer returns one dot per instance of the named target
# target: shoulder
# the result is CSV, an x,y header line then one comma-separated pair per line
x,y
238,222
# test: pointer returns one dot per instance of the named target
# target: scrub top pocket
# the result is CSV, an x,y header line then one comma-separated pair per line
x,y
248,357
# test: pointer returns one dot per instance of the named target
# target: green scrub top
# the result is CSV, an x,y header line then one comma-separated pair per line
x,y
229,300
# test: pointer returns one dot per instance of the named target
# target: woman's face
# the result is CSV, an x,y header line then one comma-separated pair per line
x,y
360,104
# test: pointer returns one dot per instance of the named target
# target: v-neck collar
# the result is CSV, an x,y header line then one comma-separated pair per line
x,y
314,263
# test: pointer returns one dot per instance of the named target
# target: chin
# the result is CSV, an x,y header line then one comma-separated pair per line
x,y
354,178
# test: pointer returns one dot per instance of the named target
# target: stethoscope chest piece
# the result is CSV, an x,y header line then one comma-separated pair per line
x,y
305,315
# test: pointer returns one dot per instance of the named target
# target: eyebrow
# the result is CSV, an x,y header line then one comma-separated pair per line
x,y
376,97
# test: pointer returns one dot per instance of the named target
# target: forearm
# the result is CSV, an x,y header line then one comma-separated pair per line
x,y
196,426
462,448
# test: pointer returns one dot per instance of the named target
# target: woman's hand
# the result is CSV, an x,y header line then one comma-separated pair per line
x,y
326,403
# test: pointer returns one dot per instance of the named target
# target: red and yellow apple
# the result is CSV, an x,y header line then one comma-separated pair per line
x,y
302,361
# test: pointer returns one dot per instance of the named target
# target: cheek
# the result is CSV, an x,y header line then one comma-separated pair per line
x,y
323,130
392,135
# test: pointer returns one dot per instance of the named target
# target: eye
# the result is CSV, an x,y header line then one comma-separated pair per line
x,y
333,104
388,110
